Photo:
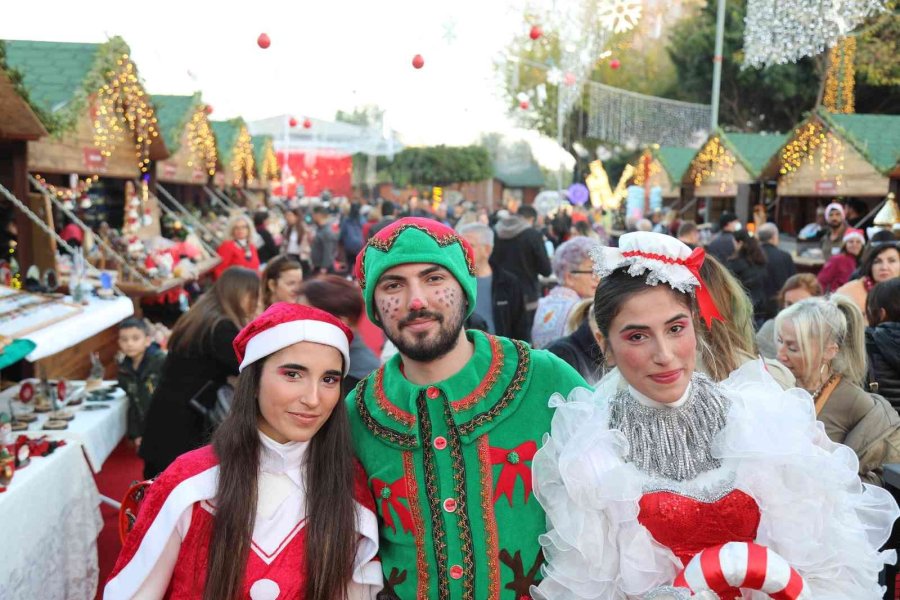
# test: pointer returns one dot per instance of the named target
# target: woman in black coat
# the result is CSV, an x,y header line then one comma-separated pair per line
x,y
199,362
883,340
748,263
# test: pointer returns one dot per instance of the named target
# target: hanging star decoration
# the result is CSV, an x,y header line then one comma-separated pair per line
x,y
449,30
619,16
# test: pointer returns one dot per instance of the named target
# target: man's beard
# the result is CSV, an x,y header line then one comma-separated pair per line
x,y
425,350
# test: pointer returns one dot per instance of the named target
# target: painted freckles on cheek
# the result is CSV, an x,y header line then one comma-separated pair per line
x,y
447,298
389,307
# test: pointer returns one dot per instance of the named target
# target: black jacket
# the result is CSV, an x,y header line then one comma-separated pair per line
x,y
519,248
883,349
753,278
580,350
173,426
721,246
140,385
508,301
779,267
269,248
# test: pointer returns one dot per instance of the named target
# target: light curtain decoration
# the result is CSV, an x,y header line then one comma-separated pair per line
x,y
840,80
623,117
782,31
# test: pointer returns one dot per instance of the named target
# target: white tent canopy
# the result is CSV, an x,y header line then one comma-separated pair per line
x,y
330,135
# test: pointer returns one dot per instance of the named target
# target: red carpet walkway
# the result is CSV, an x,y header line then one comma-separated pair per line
x,y
119,471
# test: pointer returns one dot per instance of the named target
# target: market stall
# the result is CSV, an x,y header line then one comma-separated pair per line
x,y
180,179
237,168
828,156
725,174
663,167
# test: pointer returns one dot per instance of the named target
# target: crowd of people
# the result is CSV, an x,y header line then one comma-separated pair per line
x,y
549,412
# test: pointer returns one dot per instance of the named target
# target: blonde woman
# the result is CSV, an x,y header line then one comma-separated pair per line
x,y
239,250
822,343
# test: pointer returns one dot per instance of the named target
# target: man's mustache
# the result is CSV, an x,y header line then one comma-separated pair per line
x,y
421,314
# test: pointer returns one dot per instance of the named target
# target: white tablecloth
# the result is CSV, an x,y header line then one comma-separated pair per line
x,y
98,431
49,523
94,318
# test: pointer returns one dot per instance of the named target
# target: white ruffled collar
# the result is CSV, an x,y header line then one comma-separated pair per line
x,y
647,401
282,459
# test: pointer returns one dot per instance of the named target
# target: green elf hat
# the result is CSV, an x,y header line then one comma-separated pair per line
x,y
415,240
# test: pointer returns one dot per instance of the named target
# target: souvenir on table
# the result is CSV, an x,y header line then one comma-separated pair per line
x,y
22,312
23,455
41,396
95,379
7,468
56,425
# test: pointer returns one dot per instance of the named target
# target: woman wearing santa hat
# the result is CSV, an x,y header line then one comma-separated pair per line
x,y
840,267
661,463
276,507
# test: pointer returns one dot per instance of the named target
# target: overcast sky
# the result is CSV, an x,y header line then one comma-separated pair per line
x,y
325,55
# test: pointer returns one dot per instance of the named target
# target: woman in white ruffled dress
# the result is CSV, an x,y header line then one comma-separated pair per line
x,y
660,462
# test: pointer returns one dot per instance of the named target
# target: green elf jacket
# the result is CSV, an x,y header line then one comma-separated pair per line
x,y
449,465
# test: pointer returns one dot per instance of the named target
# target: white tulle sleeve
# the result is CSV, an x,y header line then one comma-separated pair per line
x,y
594,546
815,512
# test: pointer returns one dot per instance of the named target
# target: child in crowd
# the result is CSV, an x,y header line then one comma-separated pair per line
x,y
139,372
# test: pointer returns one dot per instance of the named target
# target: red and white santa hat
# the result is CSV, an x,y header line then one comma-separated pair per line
x,y
835,206
284,324
853,233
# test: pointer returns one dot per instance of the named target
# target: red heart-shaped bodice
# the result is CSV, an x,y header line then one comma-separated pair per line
x,y
687,526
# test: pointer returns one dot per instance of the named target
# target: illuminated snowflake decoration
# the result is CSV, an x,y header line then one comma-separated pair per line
x,y
619,16
776,33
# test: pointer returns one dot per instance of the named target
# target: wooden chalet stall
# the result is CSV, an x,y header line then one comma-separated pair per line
x,y
663,167
724,175
834,156
237,165
182,177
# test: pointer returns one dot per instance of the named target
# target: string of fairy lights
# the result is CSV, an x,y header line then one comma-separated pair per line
x,y
714,159
122,106
66,194
269,168
201,141
242,164
840,79
646,168
813,145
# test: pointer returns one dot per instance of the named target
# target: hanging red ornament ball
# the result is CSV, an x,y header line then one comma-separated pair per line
x,y
307,123
569,79
263,41
523,105
292,122
536,32
614,64
209,109
418,62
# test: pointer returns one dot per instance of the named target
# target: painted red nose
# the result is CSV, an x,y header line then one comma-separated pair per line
x,y
416,304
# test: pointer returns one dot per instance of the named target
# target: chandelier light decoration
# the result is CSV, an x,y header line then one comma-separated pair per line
x,y
784,31
122,107
201,141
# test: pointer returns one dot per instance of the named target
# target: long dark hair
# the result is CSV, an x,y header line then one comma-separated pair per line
x,y
884,296
221,302
331,518
750,249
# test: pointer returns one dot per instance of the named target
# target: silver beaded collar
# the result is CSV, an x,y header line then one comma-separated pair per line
x,y
672,442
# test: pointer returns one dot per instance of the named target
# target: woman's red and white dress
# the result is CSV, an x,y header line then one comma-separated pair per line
x,y
619,529
165,555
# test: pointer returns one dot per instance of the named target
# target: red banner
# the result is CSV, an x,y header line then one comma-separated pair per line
x,y
316,171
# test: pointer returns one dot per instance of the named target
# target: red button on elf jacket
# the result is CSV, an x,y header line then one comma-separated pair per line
x,y
440,442
456,572
432,392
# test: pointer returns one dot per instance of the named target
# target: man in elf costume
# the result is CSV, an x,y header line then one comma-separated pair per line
x,y
447,428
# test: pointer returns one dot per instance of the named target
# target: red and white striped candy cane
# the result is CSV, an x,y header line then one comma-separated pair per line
x,y
743,565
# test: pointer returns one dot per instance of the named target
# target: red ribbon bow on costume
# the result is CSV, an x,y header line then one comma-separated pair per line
x,y
514,466
707,306
390,495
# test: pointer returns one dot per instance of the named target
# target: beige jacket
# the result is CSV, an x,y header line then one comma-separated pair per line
x,y
867,424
